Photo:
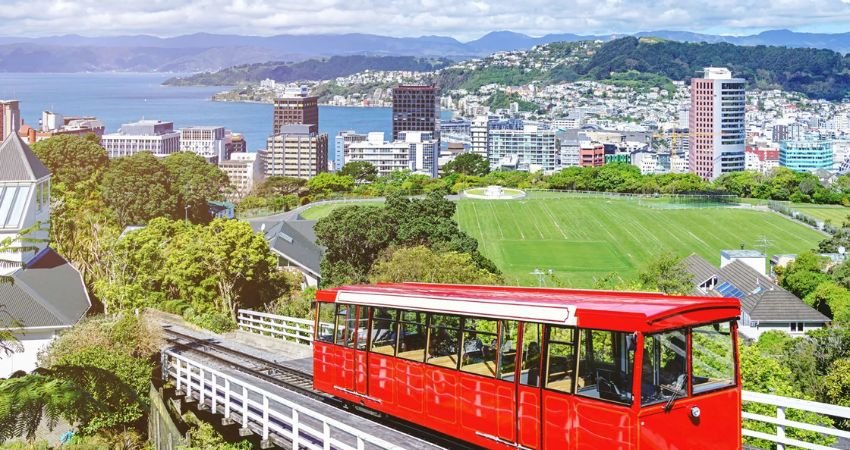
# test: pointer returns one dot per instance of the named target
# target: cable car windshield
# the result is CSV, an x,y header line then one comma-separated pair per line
x,y
664,368
605,365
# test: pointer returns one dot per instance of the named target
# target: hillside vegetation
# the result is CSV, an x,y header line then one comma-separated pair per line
x,y
653,62
314,69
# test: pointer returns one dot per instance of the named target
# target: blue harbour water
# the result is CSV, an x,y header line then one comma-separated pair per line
x,y
117,98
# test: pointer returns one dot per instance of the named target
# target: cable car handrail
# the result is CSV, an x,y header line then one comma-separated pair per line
x,y
783,404
256,409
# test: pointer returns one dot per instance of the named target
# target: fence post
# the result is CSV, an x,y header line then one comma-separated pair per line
x,y
244,407
227,398
201,387
266,419
295,439
214,395
780,429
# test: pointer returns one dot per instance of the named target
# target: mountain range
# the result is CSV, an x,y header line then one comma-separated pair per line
x,y
206,52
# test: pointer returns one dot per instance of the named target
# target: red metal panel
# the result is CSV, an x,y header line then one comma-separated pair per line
x,y
345,378
325,366
595,424
381,379
478,405
679,430
441,397
528,416
506,415
361,377
410,386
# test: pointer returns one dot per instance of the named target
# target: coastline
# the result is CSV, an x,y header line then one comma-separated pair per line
x,y
261,102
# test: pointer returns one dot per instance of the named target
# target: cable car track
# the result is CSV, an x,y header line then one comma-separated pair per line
x,y
301,383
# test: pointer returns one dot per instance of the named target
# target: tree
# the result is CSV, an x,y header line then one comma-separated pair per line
x,y
72,159
361,171
804,275
220,267
667,274
832,300
425,265
353,237
138,189
326,182
279,186
194,181
837,383
468,164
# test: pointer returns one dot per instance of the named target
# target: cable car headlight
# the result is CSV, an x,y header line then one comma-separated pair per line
x,y
695,412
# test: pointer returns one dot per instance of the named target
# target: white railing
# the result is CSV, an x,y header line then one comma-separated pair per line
x,y
783,404
262,412
290,329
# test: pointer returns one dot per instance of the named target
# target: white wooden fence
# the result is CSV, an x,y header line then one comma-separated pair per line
x,y
263,412
301,331
783,404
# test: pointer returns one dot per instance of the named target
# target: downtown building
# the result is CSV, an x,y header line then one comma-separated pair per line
x,y
10,118
211,143
415,151
806,153
530,149
716,122
416,108
296,151
244,170
55,124
153,136
342,143
296,107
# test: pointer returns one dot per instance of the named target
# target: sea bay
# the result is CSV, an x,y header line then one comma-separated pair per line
x,y
118,98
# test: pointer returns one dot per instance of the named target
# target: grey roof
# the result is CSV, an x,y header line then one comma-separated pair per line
x,y
295,240
763,300
49,291
701,269
18,162
745,278
779,305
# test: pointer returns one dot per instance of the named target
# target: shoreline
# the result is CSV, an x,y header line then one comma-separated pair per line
x,y
320,104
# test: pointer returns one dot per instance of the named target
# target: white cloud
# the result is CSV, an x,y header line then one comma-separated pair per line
x,y
461,19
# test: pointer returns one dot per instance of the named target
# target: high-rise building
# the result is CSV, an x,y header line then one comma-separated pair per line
x,y
10,118
342,142
153,136
296,107
809,152
244,170
478,135
716,122
209,142
416,108
54,124
530,149
591,154
415,151
297,151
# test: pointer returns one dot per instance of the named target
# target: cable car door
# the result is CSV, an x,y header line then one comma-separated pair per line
x,y
529,375
361,357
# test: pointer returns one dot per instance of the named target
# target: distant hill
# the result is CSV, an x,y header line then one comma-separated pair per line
x,y
208,52
326,69
653,62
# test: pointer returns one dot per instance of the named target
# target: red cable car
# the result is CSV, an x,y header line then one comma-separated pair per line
x,y
529,368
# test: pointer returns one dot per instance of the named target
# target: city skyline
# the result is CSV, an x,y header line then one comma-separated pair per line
x,y
411,19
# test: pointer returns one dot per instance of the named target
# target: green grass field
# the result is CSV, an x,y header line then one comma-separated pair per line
x,y
581,239
318,211
837,214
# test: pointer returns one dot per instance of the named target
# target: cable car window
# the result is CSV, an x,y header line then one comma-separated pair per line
x,y
362,327
412,336
561,359
664,368
507,355
345,325
480,347
384,330
325,330
713,357
531,337
605,365
444,340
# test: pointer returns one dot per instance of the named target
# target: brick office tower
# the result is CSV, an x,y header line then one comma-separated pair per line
x,y
416,108
296,107
717,132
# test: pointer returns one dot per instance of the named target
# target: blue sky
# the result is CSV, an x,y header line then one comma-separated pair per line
x,y
464,20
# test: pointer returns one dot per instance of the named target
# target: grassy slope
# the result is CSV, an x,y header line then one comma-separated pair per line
x,y
580,239
836,213
318,211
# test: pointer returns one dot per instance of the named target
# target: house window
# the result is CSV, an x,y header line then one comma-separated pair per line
x,y
797,327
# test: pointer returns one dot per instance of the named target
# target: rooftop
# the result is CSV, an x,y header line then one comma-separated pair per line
x,y
741,254
18,161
